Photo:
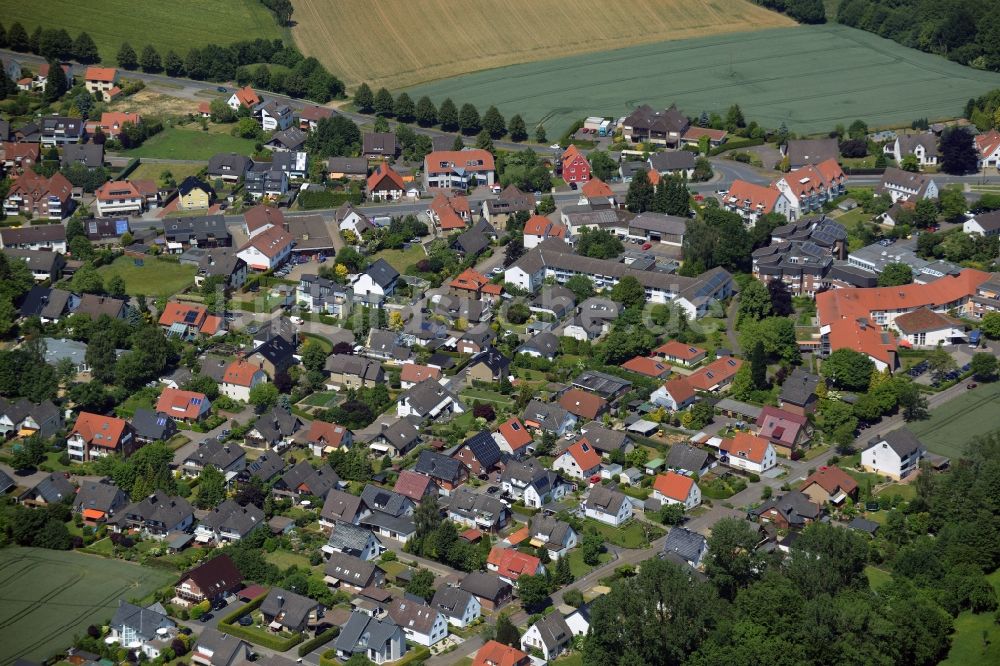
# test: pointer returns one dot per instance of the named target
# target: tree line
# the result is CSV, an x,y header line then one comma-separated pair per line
x,y
966,31
803,11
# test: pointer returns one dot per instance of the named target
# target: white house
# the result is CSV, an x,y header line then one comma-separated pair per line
x,y
984,224
240,377
557,536
551,636
922,146
895,455
608,506
460,608
353,540
146,630
988,145
749,452
427,400
267,249
907,186
675,395
810,187
545,488
925,329
674,488
422,624
377,282
579,460
118,197
750,201
275,116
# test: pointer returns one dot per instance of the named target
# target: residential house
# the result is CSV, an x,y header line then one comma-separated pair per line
x,y
347,371
472,284
447,473
47,304
984,224
674,488
147,628
579,461
215,648
556,536
228,522
156,515
421,623
53,488
787,511
787,431
380,640
512,437
510,201
988,145
477,510
303,480
684,545
801,152
377,281
662,128
470,243
211,581
112,123
510,564
324,438
274,115
907,186
574,166
96,306
555,300
266,467
186,406
673,163
90,155
188,321
489,589
194,193
284,610
397,439
44,265
275,356
413,486
310,115
384,184
829,484
717,375
24,418
311,237
59,130
922,146
656,228
15,156
476,339
608,506
798,393
413,373
751,201
96,436
532,484
36,196
353,540
548,417
489,366
351,573
480,453
100,80
809,188
749,452
550,635
379,146
389,514
895,455
462,169
675,394
98,501
229,167
459,607
582,404
291,139
152,426
538,229
292,163
274,429
239,379
688,460
243,97
267,249
321,295
346,168
649,367
230,459
428,400
925,329
605,440
263,181
340,506
205,232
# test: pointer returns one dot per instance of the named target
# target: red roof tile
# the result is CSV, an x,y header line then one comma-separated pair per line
x,y
99,430
181,404
647,366
585,455
747,446
513,564
581,403
673,485
515,433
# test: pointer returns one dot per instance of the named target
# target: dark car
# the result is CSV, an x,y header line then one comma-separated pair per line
x,y
971,385
206,617
221,88
492,490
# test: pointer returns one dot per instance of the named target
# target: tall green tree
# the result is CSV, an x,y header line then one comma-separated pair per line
x,y
85,50
448,115
848,369
733,561
173,64
364,99
494,123
758,366
421,584
17,37
150,59
639,197
56,84
894,275
211,487
127,58
426,112
101,356
518,130
958,151
755,302
403,108
384,103
468,120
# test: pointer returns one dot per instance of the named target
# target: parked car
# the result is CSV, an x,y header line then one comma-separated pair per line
x,y
206,617
971,385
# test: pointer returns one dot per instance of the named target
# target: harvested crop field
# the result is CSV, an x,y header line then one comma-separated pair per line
x,y
179,25
809,77
48,596
397,43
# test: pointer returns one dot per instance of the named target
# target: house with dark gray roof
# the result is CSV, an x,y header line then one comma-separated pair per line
x,y
266,467
228,522
896,455
149,627
673,163
398,438
480,453
289,611
607,386
477,510
52,489
488,365
156,515
390,514
228,458
690,546
379,640
688,459
6,483
789,510
551,636
153,426
459,607
304,480
488,588
24,416
229,167
377,282
606,440
470,243
802,152
90,155
428,400
798,393
542,345
99,500
557,536
348,371
352,573
291,139
379,145
204,231
341,506
353,540
215,648
608,506
48,304
548,416
421,623
274,429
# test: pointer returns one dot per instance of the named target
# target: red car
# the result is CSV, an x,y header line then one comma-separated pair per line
x,y
646,246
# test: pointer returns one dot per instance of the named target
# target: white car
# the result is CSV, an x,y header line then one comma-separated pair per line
x,y
298,321
497,270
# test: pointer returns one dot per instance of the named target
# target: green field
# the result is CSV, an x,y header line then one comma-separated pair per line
x,y
967,648
152,171
955,423
155,277
809,77
48,596
401,259
177,25
184,144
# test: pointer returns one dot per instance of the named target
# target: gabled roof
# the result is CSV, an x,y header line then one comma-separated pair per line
x,y
181,404
349,537
585,455
144,621
438,466
485,585
902,441
99,430
673,485
794,506
412,485
715,373
261,216
382,273
512,564
680,389
649,367
595,187
247,97
193,183
330,434
384,500
583,404
832,479
686,457
413,372
515,433
241,373
483,447
755,198
685,543
232,518
747,446
98,496
385,178
922,320
103,74
293,608
778,425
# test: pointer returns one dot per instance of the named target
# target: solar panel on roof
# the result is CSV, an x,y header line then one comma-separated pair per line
x,y
190,317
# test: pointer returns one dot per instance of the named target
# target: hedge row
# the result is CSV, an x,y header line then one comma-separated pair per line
x,y
319,639
243,610
735,144
258,638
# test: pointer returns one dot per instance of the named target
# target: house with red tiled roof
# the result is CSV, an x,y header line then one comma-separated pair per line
x,y
473,284
510,564
748,451
692,136
261,218
310,115
205,109
244,97
414,373
183,405
988,145
750,201
582,404
96,436
100,79
111,122
450,212
18,155
650,367
187,320
39,197
925,329
268,249
239,378
717,375
493,653
674,488
459,169
831,484
414,485
679,353
539,228
119,197
811,186
385,184
676,394
575,167
786,431
512,436
324,438
580,460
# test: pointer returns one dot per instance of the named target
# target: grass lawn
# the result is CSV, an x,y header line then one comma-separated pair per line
x,y
321,399
581,568
967,646
51,595
877,577
632,535
284,559
852,217
829,74
156,277
401,259
318,339
484,395
178,25
959,420
906,491
572,659
152,171
189,144
393,569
